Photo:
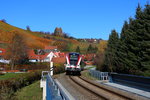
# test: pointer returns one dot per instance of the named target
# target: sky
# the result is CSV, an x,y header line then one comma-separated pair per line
x,y
78,18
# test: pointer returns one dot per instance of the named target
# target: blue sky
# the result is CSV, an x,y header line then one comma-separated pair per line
x,y
79,18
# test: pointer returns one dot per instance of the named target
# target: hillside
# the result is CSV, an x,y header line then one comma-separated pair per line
x,y
33,39
37,40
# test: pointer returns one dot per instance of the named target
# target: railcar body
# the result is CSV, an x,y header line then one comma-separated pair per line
x,y
73,63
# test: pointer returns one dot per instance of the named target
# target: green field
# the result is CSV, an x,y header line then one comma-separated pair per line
x,y
10,75
31,92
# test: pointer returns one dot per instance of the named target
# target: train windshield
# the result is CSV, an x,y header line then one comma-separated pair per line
x,y
73,58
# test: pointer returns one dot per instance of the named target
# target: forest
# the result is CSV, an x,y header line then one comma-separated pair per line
x,y
129,52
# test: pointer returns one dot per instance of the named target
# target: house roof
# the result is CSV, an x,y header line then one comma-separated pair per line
x,y
62,54
2,42
89,56
32,55
3,52
59,60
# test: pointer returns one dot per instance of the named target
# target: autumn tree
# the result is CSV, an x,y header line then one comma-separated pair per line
x,y
17,50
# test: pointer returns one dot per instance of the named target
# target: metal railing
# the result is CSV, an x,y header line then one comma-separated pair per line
x,y
53,90
99,75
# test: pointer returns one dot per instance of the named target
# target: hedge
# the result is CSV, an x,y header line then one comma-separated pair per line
x,y
8,87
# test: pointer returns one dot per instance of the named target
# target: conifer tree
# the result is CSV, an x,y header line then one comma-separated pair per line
x,y
78,49
110,61
144,54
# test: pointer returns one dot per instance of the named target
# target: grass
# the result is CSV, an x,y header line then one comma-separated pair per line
x,y
9,76
93,66
31,92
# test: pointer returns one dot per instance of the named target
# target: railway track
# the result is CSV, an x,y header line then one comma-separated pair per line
x,y
97,90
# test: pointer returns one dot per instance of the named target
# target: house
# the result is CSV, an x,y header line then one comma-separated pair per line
x,y
44,55
47,57
2,54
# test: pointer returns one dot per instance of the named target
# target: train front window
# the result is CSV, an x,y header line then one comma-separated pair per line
x,y
73,59
73,62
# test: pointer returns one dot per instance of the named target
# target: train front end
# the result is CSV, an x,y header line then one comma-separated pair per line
x,y
73,65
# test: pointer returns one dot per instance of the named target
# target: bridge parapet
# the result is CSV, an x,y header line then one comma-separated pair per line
x,y
51,89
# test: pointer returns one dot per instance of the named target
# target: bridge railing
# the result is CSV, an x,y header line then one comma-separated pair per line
x,y
53,90
139,82
99,75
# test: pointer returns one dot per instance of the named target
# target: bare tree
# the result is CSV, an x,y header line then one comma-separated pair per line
x,y
17,50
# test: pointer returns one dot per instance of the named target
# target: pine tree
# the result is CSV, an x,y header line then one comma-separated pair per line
x,y
111,61
135,40
145,41
90,48
78,49
122,50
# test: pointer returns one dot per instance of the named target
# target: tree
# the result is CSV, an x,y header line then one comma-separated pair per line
x,y
144,37
102,46
17,50
110,61
78,49
89,50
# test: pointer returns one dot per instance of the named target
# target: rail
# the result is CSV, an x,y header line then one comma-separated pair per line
x,y
99,75
139,82
52,90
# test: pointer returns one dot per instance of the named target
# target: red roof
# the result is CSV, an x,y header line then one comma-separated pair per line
x,y
62,54
2,42
2,52
89,56
32,55
59,60
50,47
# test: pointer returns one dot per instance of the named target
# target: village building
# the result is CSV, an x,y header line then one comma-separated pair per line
x,y
2,54
49,53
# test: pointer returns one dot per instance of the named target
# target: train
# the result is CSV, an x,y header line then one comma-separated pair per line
x,y
73,63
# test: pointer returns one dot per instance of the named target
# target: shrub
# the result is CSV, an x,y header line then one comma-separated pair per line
x,y
59,68
8,87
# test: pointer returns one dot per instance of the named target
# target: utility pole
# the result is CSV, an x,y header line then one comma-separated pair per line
x,y
51,68
51,63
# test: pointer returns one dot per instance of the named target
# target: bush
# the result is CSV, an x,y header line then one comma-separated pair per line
x,y
99,61
8,87
59,68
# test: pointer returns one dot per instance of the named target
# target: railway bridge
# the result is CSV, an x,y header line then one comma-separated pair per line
x,y
103,86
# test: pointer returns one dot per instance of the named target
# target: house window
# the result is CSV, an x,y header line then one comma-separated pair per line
x,y
0,51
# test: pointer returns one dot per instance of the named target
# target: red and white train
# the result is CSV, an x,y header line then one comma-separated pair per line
x,y
73,63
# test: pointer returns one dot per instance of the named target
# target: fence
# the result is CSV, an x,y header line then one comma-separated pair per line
x,y
99,75
53,90
139,82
